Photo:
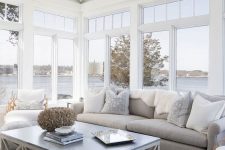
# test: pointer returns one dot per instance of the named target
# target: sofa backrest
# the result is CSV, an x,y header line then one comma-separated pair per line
x,y
139,108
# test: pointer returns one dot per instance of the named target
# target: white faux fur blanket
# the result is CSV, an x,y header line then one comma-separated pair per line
x,y
162,100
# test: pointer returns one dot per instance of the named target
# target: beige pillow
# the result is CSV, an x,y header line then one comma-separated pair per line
x,y
94,102
204,112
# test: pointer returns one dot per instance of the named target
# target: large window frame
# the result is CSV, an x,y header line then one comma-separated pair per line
x,y
18,27
172,26
56,35
107,35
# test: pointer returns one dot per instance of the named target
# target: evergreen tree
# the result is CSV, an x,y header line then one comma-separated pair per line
x,y
153,62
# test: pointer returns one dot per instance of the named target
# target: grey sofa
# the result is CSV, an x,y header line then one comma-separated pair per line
x,y
142,119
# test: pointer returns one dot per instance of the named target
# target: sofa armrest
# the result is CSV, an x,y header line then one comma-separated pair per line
x,y
78,108
216,131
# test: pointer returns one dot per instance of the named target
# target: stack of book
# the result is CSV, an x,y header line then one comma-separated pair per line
x,y
63,139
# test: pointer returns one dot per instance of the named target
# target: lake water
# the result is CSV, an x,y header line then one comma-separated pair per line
x,y
65,85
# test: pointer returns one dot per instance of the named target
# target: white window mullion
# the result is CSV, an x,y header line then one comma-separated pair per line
x,y
172,58
107,65
54,67
19,60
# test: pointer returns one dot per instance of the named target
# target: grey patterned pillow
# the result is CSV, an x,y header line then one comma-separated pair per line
x,y
180,111
116,103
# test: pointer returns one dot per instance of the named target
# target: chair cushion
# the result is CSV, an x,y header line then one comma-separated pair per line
x,y
162,129
109,120
22,115
16,125
139,108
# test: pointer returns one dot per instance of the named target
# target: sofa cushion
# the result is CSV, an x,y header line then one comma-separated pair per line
x,y
109,120
139,108
162,129
22,115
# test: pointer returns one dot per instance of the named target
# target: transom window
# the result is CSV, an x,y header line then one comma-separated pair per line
x,y
175,10
47,20
9,12
114,21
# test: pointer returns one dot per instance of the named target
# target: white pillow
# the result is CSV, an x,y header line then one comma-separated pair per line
x,y
164,101
27,95
94,103
29,105
203,113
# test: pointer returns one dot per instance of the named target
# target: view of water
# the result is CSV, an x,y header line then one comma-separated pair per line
x,y
65,85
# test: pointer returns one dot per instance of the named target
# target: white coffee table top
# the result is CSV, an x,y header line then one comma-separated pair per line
x,y
34,136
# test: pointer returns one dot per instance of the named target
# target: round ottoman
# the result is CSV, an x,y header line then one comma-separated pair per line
x,y
16,125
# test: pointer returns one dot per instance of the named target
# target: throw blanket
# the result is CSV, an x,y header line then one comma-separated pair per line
x,y
162,100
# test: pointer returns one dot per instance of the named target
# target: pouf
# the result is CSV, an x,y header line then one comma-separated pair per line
x,y
16,125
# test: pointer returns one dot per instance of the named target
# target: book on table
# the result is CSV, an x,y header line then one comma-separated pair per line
x,y
63,139
62,143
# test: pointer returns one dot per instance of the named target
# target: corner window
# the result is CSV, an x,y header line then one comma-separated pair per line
x,y
8,64
120,61
96,54
156,56
192,58
9,12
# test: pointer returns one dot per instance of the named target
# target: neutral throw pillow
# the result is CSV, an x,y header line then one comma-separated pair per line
x,y
203,113
29,105
30,99
164,100
116,103
94,103
212,98
180,110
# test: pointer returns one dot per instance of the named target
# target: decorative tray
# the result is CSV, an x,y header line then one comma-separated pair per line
x,y
109,137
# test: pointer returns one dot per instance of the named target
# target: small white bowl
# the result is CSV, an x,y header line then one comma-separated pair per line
x,y
65,130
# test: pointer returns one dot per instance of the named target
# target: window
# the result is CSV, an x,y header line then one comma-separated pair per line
x,y
65,69
160,13
47,20
120,61
149,15
125,19
92,25
9,12
201,7
99,24
109,22
172,10
175,10
8,64
117,20
96,63
192,58
156,55
42,69
187,8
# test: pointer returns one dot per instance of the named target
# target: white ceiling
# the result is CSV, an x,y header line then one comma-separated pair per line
x,y
82,1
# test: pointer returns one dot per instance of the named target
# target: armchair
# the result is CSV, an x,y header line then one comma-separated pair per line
x,y
14,113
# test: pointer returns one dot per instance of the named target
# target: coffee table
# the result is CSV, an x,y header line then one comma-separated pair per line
x,y
31,138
